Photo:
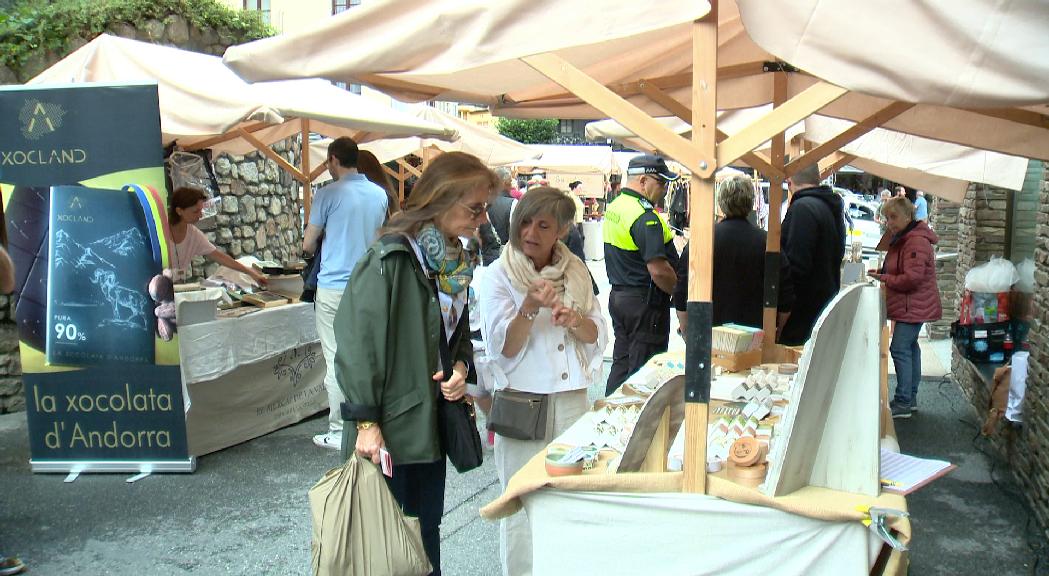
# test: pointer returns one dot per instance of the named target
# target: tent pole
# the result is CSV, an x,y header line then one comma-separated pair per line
x,y
701,261
402,177
304,153
772,240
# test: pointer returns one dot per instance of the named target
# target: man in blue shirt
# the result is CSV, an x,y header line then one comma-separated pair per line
x,y
346,215
921,207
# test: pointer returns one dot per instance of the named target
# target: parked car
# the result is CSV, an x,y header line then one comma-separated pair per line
x,y
863,228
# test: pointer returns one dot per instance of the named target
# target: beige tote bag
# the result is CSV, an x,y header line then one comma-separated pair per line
x,y
358,527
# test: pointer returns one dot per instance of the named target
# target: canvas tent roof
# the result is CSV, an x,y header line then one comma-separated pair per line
x,y
633,48
492,148
574,159
974,54
200,98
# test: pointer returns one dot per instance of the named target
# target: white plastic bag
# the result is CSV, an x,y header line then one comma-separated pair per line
x,y
1025,270
998,275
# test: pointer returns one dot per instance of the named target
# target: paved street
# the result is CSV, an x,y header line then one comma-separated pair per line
x,y
244,512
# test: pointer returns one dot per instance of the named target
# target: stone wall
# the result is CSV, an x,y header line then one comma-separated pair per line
x,y
944,217
259,210
1031,463
1026,448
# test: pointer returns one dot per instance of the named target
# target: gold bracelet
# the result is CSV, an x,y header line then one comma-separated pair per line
x,y
527,316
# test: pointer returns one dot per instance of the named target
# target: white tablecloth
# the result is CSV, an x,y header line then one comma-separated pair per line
x,y
615,533
251,375
212,349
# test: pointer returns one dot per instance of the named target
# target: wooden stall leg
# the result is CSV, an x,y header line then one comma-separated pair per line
x,y
656,459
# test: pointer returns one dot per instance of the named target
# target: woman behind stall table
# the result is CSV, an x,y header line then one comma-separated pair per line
x,y
387,333
187,207
544,329
370,166
912,296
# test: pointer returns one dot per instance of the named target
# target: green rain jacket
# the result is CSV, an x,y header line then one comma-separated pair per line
x,y
387,332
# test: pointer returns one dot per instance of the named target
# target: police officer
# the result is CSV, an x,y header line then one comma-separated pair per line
x,y
640,258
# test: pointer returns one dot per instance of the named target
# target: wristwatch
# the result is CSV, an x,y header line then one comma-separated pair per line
x,y
364,424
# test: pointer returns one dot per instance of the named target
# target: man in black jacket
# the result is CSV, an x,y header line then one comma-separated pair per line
x,y
813,245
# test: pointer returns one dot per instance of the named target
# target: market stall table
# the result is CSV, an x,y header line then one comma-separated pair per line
x,y
251,375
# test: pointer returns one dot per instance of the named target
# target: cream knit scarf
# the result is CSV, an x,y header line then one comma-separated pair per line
x,y
568,275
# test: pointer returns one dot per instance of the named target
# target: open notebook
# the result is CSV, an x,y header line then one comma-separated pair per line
x,y
905,474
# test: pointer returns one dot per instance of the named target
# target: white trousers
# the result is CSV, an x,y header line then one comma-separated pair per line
x,y
326,303
515,533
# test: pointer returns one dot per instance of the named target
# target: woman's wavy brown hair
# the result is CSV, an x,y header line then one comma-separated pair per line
x,y
447,179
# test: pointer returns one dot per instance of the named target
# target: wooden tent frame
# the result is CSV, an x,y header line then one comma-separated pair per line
x,y
709,150
304,173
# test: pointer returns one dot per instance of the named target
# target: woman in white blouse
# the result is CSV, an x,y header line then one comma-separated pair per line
x,y
544,333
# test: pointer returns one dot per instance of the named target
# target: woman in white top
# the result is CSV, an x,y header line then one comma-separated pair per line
x,y
544,333
187,207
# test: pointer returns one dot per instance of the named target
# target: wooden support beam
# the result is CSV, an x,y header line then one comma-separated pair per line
x,y
671,82
231,135
848,135
701,252
1018,115
633,118
411,169
769,350
657,95
782,117
304,154
426,92
401,179
393,173
269,153
833,163
317,172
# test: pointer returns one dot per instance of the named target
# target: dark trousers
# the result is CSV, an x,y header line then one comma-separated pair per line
x,y
641,331
419,489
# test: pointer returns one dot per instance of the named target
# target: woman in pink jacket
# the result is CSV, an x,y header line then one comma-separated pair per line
x,y
912,296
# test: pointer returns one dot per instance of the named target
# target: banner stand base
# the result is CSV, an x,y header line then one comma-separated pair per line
x,y
76,467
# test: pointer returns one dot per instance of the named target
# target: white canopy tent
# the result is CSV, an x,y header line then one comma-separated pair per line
x,y
643,53
203,104
201,99
491,147
592,165
630,62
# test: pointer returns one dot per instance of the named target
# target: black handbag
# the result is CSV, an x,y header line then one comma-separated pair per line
x,y
456,421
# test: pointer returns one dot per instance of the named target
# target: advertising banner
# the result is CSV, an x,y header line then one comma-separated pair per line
x,y
82,182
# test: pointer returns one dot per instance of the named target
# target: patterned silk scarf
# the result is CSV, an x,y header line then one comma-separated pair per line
x,y
452,265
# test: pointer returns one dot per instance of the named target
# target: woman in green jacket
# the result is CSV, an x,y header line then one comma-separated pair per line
x,y
388,326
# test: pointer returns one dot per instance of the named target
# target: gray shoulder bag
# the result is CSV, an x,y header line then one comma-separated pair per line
x,y
519,415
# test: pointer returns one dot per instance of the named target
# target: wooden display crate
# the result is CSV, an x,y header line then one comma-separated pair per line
x,y
736,361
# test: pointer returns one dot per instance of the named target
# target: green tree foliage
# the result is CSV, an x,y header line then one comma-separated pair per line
x,y
528,131
28,25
